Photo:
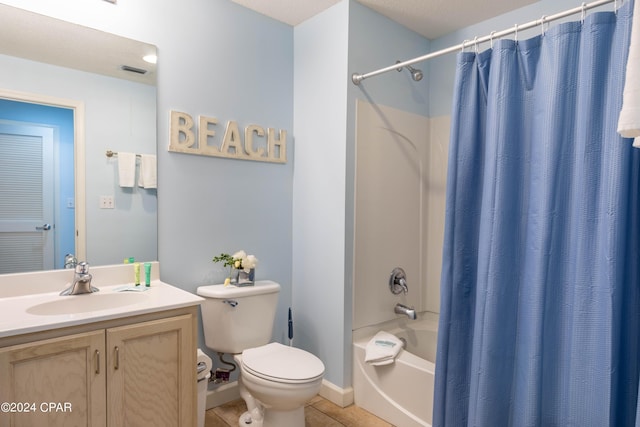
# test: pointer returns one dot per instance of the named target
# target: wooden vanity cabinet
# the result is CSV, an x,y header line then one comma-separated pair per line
x,y
150,372
139,372
68,370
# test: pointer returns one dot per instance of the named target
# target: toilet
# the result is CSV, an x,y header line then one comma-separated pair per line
x,y
275,380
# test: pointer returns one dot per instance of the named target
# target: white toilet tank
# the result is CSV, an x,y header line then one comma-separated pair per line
x,y
237,318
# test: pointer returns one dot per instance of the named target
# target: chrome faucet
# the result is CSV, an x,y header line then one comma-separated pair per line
x,y
70,261
81,281
410,312
403,284
398,281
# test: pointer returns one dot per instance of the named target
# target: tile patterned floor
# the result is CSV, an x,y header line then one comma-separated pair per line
x,y
319,412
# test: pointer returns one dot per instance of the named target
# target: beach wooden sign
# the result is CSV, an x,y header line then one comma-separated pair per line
x,y
255,143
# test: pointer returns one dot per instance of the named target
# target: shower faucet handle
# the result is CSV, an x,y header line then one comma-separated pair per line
x,y
398,281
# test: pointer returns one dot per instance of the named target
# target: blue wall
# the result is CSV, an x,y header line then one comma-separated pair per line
x,y
62,120
230,63
321,314
329,47
376,42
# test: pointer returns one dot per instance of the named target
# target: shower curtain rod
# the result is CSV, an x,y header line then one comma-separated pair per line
x,y
357,78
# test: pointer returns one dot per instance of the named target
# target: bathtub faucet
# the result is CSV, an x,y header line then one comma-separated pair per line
x,y
403,285
410,312
398,281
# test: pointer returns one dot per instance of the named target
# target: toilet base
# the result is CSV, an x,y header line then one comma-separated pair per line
x,y
245,420
273,418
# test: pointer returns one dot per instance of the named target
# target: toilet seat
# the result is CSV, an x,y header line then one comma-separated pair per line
x,y
279,363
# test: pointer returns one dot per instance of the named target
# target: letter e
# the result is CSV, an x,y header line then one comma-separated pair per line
x,y
205,133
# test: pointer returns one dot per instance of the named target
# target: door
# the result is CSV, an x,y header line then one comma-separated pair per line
x,y
27,185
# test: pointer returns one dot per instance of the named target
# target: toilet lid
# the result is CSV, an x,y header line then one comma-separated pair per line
x,y
277,362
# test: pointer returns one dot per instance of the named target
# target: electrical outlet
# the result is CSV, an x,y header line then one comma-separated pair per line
x,y
106,202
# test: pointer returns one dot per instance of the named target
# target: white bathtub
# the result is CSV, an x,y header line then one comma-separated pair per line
x,y
400,393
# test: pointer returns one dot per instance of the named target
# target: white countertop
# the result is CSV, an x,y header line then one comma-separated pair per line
x,y
34,312
25,314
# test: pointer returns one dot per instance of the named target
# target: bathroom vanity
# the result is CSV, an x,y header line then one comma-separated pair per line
x,y
111,358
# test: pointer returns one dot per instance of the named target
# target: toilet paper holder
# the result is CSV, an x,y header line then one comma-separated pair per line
x,y
201,367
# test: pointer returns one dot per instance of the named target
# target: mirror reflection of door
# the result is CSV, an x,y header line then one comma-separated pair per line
x,y
36,186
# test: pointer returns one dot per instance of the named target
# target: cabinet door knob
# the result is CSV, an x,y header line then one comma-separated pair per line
x,y
97,357
116,363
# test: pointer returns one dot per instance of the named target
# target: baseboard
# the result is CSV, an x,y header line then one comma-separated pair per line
x,y
222,394
228,392
340,396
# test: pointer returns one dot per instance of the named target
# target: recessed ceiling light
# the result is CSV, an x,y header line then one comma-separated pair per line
x,y
151,59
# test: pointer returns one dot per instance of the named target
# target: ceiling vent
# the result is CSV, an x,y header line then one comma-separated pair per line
x,y
133,69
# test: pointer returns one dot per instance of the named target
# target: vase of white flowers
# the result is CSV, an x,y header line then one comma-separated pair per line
x,y
242,268
243,278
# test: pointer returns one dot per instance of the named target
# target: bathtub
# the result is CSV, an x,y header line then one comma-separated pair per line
x,y
400,393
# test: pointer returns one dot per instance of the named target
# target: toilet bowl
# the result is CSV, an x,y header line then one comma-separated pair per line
x,y
281,379
275,380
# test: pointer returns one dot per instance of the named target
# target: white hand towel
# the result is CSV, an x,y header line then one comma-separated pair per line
x,y
126,169
382,349
629,120
148,171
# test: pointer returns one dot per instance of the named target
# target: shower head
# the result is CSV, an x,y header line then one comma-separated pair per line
x,y
416,74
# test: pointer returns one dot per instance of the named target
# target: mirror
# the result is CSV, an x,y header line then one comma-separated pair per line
x,y
110,90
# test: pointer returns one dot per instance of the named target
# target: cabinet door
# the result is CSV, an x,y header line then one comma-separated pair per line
x,y
54,382
151,374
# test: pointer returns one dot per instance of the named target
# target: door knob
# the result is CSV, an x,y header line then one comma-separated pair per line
x,y
45,227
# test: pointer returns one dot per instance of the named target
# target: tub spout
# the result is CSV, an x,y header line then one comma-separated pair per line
x,y
410,312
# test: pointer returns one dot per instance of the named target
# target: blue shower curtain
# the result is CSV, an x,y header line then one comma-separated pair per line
x,y
540,290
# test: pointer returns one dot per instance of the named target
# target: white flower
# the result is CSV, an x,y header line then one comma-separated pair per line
x,y
239,260
240,255
246,262
249,262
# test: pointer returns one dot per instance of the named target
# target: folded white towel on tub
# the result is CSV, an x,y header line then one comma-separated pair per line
x,y
382,349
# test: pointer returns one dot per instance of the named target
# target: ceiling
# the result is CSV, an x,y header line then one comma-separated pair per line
x,y
430,18
41,38
45,39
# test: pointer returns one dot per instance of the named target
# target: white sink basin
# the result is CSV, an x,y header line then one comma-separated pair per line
x,y
73,304
31,302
